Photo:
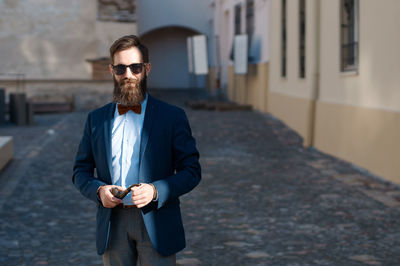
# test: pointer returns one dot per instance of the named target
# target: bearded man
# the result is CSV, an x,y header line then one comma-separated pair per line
x,y
141,141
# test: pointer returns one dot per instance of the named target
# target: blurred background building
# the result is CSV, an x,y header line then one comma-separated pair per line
x,y
328,69
55,47
56,50
164,27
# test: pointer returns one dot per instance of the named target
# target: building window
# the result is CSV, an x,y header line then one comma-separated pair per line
x,y
238,20
238,28
283,73
349,35
302,38
250,18
116,10
250,25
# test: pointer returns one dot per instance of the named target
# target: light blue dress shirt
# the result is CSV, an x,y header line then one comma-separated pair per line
x,y
125,148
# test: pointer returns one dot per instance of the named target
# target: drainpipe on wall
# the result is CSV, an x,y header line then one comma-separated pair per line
x,y
315,93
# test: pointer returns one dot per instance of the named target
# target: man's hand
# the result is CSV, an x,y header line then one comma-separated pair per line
x,y
107,199
142,195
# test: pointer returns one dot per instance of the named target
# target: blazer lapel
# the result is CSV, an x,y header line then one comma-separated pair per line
x,y
107,136
147,125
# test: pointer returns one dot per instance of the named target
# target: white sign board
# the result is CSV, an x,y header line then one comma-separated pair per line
x,y
189,44
240,54
200,55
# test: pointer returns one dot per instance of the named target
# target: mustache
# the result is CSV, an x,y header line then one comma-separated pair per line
x,y
126,81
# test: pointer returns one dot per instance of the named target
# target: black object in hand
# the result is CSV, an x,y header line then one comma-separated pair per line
x,y
121,194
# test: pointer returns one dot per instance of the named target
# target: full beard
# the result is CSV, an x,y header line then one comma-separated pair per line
x,y
130,92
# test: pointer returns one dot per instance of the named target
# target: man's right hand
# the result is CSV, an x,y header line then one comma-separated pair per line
x,y
107,198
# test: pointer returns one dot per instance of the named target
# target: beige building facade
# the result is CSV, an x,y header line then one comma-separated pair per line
x,y
332,74
47,45
57,50
236,17
358,113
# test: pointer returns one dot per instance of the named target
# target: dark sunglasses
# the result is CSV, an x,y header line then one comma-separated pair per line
x,y
135,68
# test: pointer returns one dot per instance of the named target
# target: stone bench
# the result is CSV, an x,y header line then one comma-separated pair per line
x,y
52,107
6,150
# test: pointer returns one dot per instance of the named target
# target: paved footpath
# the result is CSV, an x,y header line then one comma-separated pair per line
x,y
263,199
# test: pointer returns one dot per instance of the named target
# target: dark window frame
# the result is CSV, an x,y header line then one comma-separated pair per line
x,y
250,18
302,38
283,39
349,32
238,19
250,25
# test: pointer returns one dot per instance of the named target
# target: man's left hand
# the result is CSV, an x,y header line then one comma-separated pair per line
x,y
142,195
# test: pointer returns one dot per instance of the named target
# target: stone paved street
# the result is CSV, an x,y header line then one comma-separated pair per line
x,y
263,199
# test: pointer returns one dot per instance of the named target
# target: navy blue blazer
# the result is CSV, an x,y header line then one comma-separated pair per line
x,y
168,159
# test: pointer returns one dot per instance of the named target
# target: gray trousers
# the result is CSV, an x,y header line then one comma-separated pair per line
x,y
129,241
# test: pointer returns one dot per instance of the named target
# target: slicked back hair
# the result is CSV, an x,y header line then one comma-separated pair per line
x,y
127,42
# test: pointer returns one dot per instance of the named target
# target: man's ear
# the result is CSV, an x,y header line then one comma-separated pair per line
x,y
148,68
111,69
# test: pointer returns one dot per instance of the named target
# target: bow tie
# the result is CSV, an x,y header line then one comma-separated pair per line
x,y
122,109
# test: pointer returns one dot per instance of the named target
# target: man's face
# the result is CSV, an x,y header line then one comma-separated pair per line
x,y
129,88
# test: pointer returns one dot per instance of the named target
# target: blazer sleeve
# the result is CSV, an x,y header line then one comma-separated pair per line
x,y
83,172
186,163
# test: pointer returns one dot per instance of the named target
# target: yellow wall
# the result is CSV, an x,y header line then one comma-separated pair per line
x,y
295,112
291,98
367,137
211,80
231,83
251,88
257,85
358,113
354,116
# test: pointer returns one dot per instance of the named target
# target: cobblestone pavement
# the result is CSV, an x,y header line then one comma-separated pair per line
x,y
263,199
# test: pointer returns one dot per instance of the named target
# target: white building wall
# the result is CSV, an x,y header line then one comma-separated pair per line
x,y
293,84
376,83
168,57
155,14
224,30
262,26
164,27
224,16
51,39
106,32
